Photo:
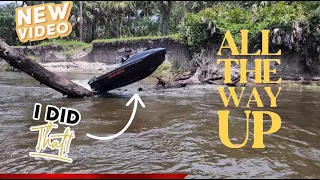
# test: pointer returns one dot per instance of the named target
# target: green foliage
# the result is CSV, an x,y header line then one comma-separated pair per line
x,y
163,70
178,12
314,21
278,15
192,32
33,58
111,19
6,67
198,29
65,44
7,21
133,39
148,27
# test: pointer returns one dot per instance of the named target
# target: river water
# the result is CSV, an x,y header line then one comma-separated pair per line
x,y
177,132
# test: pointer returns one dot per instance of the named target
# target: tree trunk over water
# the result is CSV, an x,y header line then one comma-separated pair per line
x,y
44,76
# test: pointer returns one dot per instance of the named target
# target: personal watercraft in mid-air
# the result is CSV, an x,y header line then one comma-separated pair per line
x,y
135,68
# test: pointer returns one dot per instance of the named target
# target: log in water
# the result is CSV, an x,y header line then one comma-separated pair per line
x,y
44,76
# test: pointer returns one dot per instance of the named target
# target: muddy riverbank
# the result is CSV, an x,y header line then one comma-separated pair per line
x,y
102,56
79,67
166,72
110,52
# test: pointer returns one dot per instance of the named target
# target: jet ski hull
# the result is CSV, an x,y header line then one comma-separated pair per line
x,y
136,68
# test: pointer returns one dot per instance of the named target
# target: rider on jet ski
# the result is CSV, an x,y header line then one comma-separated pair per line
x,y
128,53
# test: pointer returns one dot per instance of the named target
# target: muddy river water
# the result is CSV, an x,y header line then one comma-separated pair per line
x,y
177,131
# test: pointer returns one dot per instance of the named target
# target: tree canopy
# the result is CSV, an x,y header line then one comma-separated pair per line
x,y
120,19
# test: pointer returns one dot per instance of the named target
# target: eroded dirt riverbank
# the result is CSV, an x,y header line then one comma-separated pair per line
x,y
97,69
79,67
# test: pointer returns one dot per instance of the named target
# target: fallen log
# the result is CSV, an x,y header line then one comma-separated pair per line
x,y
210,80
44,76
179,82
163,84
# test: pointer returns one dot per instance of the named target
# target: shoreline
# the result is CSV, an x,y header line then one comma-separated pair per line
x,y
79,67
98,68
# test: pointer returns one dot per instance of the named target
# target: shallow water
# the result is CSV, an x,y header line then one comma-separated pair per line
x,y
177,131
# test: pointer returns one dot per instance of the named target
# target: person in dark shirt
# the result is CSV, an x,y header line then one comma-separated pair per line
x,y
126,55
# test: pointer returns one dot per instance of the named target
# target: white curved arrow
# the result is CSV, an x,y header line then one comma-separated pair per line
x,y
136,99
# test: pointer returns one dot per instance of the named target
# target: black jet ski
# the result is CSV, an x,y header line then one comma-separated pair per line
x,y
135,68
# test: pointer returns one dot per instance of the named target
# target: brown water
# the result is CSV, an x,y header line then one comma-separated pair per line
x,y
176,132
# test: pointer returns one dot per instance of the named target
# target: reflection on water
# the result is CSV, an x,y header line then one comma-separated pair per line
x,y
177,131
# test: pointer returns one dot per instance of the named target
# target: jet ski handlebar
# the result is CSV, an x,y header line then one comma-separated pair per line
x,y
150,48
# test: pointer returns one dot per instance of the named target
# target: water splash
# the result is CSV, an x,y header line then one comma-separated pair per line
x,y
83,83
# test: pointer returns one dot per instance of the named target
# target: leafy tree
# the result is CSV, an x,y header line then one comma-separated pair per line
x,y
7,19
